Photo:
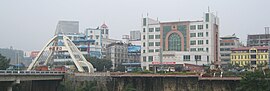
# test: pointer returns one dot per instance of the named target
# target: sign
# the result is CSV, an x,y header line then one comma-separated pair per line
x,y
134,49
164,63
55,48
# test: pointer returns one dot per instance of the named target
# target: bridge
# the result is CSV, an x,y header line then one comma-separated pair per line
x,y
10,78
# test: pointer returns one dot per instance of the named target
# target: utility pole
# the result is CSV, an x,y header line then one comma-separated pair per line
x,y
161,58
268,40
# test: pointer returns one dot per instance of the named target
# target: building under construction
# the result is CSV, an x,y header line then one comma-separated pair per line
x,y
259,39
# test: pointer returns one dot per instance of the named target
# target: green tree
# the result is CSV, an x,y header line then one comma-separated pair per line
x,y
4,62
255,81
99,64
129,87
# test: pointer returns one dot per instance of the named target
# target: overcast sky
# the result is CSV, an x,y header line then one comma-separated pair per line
x,y
29,24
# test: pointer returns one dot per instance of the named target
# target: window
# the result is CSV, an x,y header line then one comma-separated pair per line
x,y
150,58
253,56
143,36
206,26
186,57
206,34
252,51
200,49
151,29
144,21
102,31
198,58
174,42
206,41
207,58
143,51
200,27
107,31
97,36
200,42
192,49
192,42
192,34
157,29
151,50
207,17
157,36
157,43
157,50
200,34
144,59
143,44
207,49
143,29
151,36
193,27
151,44
96,43
91,31
91,36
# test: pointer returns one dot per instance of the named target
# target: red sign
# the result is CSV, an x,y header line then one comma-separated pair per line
x,y
163,63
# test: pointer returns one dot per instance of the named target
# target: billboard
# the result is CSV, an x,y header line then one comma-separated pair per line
x,y
134,49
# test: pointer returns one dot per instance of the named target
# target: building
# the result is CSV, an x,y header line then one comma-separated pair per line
x,y
117,53
67,27
125,39
170,44
135,35
258,40
101,37
85,45
250,55
226,44
15,56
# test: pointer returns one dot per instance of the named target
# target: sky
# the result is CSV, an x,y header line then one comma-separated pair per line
x,y
29,24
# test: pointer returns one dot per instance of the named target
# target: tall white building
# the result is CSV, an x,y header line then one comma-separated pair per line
x,y
101,37
173,44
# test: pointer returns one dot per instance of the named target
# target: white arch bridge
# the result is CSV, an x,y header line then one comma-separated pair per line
x,y
58,46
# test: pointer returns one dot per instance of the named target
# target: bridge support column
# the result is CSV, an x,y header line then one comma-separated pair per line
x,y
17,81
9,88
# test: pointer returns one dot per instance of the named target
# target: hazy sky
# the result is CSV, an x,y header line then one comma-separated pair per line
x,y
29,24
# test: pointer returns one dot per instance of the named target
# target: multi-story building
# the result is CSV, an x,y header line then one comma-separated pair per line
x,y
135,35
101,37
258,40
226,44
86,46
117,53
67,27
179,42
15,56
250,55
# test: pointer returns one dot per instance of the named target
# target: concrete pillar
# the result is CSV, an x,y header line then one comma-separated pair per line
x,y
9,88
17,81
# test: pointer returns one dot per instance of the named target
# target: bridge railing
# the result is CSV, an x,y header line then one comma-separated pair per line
x,y
25,72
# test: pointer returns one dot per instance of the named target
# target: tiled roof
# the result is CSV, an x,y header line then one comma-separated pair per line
x,y
104,26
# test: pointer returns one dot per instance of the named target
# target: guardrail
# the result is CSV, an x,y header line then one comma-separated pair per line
x,y
25,72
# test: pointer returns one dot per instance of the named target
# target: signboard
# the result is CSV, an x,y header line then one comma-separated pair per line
x,y
164,62
134,49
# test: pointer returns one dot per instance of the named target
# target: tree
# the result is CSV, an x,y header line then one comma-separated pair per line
x,y
255,81
129,87
99,64
4,62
